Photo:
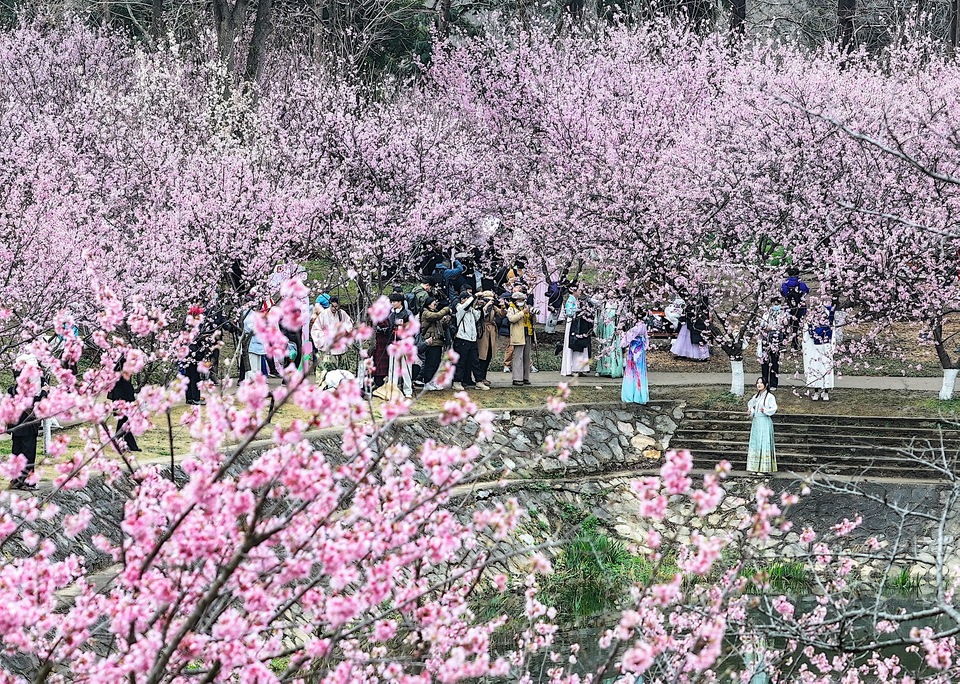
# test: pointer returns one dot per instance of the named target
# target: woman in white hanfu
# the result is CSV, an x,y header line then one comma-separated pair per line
x,y
818,355
573,362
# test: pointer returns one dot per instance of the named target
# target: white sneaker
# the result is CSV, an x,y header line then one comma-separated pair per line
x,y
432,387
483,386
506,369
826,397
457,387
816,396
534,369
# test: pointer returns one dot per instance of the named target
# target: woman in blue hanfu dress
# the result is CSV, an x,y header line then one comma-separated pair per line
x,y
634,389
762,454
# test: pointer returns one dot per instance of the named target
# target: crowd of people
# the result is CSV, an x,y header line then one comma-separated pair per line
x,y
458,306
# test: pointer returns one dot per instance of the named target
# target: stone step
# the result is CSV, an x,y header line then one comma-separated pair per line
x,y
824,448
819,449
788,436
801,463
820,420
791,423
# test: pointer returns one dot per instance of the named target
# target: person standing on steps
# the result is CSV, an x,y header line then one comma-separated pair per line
x,y
521,338
762,453
794,292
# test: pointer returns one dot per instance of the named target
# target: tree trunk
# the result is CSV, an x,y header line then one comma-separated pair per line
x,y
227,19
949,381
258,42
846,10
444,17
736,378
156,21
738,17
950,367
954,19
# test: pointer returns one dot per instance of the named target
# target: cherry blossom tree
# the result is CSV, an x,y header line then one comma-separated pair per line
x,y
361,559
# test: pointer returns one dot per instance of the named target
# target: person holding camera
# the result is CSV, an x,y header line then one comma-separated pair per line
x,y
521,338
469,330
446,275
433,323
487,342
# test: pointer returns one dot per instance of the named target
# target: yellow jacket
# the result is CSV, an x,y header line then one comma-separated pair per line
x,y
520,322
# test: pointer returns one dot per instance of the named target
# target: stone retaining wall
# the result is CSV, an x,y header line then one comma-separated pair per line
x,y
619,439
621,443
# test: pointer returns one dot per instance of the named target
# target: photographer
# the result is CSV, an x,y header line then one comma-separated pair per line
x,y
445,275
487,342
434,321
521,337
468,331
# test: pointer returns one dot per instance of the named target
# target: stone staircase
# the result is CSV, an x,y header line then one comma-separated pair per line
x,y
834,445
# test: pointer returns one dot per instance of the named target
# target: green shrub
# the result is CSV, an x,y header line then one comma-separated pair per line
x,y
592,573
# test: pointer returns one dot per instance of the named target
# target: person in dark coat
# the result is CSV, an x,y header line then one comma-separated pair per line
x,y
123,391
381,360
24,436
200,351
433,321
446,275
794,292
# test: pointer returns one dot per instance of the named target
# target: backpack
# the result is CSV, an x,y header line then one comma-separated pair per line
x,y
412,304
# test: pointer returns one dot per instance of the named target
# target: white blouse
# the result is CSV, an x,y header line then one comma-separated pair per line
x,y
766,404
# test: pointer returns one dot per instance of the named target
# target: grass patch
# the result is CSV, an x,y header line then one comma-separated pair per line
x,y
592,573
905,583
778,578
719,400
947,409
280,665
518,398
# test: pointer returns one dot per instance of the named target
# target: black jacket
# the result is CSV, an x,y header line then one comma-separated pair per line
x,y
27,425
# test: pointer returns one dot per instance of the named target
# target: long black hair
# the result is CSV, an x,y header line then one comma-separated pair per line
x,y
766,387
